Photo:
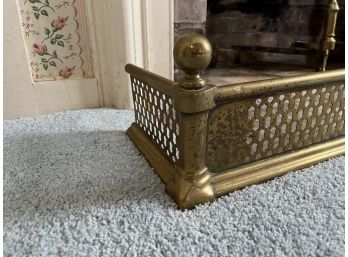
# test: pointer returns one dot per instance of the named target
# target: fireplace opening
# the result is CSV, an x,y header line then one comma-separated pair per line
x,y
267,8
261,39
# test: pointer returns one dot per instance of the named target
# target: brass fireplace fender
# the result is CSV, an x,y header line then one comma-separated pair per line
x,y
200,138
233,179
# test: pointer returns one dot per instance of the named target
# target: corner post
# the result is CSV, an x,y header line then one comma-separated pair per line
x,y
193,99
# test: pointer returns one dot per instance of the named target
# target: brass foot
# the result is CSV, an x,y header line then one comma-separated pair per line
x,y
188,192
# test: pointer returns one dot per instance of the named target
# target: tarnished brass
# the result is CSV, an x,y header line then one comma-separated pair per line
x,y
205,141
267,86
274,123
192,101
192,181
192,54
328,41
153,153
257,172
155,114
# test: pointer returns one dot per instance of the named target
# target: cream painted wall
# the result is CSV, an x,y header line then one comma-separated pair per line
x,y
56,39
19,96
121,32
22,97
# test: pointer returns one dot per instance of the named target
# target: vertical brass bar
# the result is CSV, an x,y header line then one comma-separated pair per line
x,y
328,40
192,181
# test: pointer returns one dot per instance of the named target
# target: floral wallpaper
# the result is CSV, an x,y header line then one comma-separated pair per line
x,y
51,39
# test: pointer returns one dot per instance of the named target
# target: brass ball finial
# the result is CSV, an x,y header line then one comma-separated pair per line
x,y
192,54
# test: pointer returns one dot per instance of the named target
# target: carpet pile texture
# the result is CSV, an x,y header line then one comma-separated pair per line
x,y
75,185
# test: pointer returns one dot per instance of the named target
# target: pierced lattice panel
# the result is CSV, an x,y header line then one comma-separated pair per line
x,y
155,114
252,129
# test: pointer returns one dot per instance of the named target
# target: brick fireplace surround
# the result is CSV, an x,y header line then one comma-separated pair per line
x,y
263,23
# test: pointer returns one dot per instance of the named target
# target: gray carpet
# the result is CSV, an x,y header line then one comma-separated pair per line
x,y
75,185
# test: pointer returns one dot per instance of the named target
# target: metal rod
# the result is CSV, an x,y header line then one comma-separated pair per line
x,y
241,90
279,50
328,40
160,83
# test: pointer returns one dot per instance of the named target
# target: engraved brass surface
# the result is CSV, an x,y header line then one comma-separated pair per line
x,y
251,129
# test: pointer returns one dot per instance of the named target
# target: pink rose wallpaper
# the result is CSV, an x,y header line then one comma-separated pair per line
x,y
50,33
59,22
40,49
66,72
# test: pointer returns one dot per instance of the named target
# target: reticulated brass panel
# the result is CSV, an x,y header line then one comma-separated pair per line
x,y
155,114
251,129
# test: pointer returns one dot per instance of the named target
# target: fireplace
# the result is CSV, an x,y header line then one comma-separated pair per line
x,y
208,134
246,34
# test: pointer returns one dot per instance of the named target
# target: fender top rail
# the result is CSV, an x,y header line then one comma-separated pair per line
x,y
160,83
247,89
242,90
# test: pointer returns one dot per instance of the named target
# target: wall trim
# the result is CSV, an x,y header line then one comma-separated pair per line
x,y
129,31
